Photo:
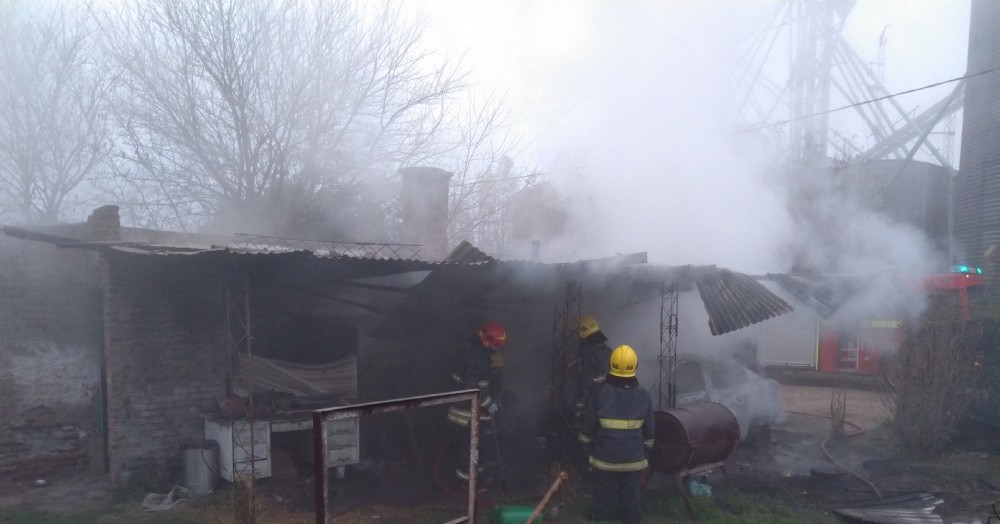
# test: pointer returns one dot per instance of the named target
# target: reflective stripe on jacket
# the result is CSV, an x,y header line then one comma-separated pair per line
x,y
618,425
473,372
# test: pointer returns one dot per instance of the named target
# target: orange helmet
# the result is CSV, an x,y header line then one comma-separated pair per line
x,y
492,335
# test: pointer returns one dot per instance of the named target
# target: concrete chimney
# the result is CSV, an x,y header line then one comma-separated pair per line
x,y
425,210
104,224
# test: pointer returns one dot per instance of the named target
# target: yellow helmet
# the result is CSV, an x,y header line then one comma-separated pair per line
x,y
587,326
624,361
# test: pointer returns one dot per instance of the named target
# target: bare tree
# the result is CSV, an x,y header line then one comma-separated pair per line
x,y
241,110
486,177
54,116
927,383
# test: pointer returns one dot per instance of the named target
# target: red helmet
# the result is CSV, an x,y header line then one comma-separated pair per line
x,y
493,335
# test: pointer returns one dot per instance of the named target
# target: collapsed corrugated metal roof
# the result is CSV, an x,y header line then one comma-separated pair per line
x,y
823,293
462,283
466,253
910,508
732,300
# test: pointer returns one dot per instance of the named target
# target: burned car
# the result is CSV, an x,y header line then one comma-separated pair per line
x,y
753,399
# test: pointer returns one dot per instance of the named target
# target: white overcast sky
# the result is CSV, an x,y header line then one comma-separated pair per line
x,y
627,104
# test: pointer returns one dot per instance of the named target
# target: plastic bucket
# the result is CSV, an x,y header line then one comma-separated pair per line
x,y
201,467
513,515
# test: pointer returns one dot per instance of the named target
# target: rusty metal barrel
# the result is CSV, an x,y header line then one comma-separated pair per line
x,y
696,434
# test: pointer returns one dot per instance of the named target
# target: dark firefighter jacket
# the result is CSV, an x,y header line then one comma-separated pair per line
x,y
618,425
473,372
595,356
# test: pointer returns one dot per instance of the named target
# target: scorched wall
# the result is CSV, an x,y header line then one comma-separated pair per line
x,y
51,421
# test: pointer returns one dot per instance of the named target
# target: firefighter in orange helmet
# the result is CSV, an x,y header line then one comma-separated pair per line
x,y
476,367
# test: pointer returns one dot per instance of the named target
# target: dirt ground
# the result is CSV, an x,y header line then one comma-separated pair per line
x,y
805,455
798,460
864,408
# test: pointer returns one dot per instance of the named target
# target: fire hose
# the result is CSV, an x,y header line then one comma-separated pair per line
x,y
858,431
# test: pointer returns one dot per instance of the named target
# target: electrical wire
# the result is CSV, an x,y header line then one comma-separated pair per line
x,y
865,102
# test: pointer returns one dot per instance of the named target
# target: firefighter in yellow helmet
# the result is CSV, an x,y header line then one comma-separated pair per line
x,y
594,355
476,366
618,430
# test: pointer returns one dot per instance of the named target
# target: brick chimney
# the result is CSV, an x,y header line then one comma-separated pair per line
x,y
104,224
425,210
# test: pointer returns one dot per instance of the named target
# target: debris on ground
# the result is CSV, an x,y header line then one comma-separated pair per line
x,y
166,501
909,508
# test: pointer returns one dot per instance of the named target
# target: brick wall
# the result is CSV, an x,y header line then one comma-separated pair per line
x,y
166,349
50,361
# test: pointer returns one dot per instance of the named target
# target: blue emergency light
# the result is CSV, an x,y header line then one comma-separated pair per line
x,y
966,269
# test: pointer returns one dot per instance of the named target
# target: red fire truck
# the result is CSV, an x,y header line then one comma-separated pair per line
x,y
859,350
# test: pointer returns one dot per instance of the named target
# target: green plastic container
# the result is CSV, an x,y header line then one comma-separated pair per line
x,y
513,515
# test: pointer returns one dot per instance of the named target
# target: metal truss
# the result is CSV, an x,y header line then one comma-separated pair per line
x,y
821,64
240,343
668,346
564,358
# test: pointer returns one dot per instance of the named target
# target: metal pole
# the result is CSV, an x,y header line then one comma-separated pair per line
x,y
473,454
319,462
251,502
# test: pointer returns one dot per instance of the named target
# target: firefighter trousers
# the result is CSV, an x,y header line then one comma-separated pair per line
x,y
617,496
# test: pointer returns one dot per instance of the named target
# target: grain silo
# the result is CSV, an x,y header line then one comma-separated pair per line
x,y
977,205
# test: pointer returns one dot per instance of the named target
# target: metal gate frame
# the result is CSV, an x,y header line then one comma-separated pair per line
x,y
321,416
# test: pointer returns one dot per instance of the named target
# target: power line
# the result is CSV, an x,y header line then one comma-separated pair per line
x,y
879,99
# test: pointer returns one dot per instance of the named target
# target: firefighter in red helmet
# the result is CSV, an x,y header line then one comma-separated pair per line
x,y
492,335
477,366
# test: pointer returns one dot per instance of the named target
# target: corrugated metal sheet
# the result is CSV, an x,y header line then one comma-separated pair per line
x,y
466,253
977,211
325,249
148,242
735,300
810,291
911,508
338,378
822,293
732,300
